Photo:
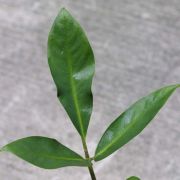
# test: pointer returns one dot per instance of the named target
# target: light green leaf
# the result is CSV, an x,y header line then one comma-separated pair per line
x,y
45,153
71,62
131,122
133,178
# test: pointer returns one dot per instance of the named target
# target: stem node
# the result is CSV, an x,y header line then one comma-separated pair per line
x,y
91,170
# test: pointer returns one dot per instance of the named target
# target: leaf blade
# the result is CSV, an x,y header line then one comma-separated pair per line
x,y
71,62
44,152
131,122
133,178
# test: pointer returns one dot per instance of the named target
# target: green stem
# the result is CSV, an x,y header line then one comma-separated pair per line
x,y
91,170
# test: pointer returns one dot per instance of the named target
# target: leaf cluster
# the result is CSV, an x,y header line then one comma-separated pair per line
x,y
72,66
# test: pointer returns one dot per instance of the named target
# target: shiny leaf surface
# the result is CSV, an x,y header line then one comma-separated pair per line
x,y
71,62
45,153
131,122
133,178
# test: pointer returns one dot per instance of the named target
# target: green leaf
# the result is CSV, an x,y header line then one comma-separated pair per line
x,y
45,153
71,62
133,178
131,122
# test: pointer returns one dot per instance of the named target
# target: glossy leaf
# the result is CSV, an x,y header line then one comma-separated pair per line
x,y
133,178
71,62
131,122
45,153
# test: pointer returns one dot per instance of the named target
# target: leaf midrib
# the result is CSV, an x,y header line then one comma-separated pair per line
x,y
73,89
74,94
45,155
60,158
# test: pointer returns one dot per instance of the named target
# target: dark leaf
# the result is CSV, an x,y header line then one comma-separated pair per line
x,y
45,153
71,62
131,122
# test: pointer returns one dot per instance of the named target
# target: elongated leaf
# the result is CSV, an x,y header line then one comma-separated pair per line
x,y
133,178
132,122
71,62
45,153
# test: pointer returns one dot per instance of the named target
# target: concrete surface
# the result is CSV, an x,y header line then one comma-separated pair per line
x,y
137,49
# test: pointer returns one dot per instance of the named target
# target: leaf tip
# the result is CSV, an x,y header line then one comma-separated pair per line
x,y
3,149
63,9
64,12
176,85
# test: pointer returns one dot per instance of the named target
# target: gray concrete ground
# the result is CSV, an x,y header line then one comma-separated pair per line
x,y
137,49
